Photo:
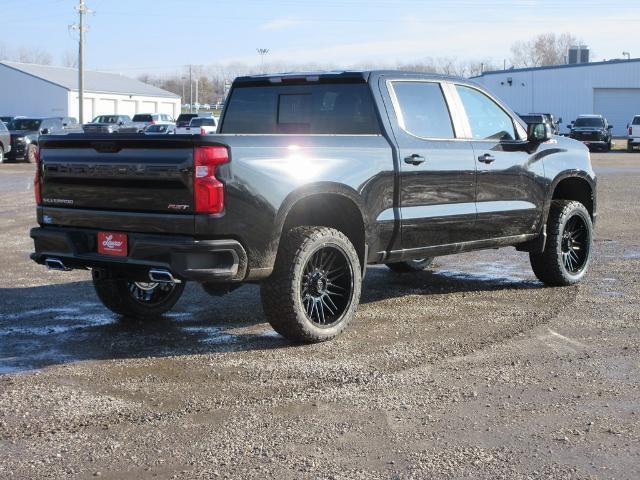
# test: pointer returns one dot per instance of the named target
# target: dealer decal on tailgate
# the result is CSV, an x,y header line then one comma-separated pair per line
x,y
110,243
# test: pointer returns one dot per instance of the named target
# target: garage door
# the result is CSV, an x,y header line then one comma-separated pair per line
x,y
166,107
87,109
106,106
148,107
618,105
127,107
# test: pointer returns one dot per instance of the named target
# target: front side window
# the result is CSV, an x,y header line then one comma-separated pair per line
x,y
487,120
423,109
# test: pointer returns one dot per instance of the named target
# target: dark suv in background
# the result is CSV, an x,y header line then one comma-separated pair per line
x,y
25,134
592,130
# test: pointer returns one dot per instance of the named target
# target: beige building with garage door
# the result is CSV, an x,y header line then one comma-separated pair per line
x,y
46,91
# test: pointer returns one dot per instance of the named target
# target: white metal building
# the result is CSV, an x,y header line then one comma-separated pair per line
x,y
42,90
608,88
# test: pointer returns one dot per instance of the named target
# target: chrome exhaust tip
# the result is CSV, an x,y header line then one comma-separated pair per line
x,y
162,276
56,264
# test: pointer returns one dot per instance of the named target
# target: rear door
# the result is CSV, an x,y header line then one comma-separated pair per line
x,y
510,194
437,170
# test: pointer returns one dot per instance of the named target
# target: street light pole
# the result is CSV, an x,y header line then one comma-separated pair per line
x,y
262,52
627,54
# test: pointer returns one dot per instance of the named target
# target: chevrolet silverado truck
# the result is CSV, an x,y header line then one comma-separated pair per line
x,y
311,178
592,130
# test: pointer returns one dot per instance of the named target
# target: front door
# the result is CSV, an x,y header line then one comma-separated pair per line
x,y
437,171
510,195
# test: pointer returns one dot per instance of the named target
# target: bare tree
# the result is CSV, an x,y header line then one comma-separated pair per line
x,y
70,59
34,55
542,50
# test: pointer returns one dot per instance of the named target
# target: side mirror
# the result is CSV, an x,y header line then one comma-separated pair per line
x,y
44,131
559,121
610,127
539,132
121,123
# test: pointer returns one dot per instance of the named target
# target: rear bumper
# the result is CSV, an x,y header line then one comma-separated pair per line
x,y
185,257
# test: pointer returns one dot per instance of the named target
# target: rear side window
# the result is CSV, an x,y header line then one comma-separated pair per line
x,y
636,121
2,127
487,120
142,118
346,109
423,109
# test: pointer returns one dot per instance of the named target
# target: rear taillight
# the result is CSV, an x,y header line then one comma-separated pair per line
x,y
36,178
630,130
207,189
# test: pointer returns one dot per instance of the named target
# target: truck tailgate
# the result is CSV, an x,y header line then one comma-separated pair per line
x,y
127,174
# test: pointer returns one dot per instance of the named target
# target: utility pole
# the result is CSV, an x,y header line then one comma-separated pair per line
x,y
197,101
82,11
627,54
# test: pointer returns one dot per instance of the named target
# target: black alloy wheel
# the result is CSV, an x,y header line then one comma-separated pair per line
x,y
327,286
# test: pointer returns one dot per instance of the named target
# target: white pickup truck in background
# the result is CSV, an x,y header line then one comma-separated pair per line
x,y
199,126
633,139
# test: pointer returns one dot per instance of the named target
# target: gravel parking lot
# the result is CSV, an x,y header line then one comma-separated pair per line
x,y
472,370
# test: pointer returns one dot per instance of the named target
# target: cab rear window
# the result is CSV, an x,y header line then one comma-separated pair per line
x,y
636,121
346,109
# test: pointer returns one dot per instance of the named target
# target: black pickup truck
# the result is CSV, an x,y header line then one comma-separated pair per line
x,y
311,178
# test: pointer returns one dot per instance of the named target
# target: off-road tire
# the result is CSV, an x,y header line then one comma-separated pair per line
x,y
549,266
282,292
411,266
629,147
114,293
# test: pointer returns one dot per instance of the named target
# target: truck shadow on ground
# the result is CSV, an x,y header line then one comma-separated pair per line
x,y
65,323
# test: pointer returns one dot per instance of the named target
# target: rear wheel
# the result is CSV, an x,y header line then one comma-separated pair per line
x,y
314,290
629,147
567,253
31,153
410,266
144,300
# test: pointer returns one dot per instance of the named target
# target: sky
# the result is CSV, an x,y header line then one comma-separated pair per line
x,y
162,36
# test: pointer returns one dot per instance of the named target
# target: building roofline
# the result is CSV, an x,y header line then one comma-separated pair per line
x,y
557,67
68,89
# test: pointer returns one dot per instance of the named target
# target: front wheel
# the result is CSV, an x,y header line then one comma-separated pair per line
x,y
144,300
411,266
567,253
314,289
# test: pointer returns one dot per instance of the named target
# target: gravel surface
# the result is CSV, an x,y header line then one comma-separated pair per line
x,y
471,370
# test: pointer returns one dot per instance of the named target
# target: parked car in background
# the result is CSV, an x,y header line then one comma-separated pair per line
x,y
592,130
106,124
633,137
199,126
5,141
535,118
551,120
185,118
206,106
25,135
140,121
312,178
160,129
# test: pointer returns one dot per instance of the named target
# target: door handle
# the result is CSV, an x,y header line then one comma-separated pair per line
x,y
414,159
486,158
